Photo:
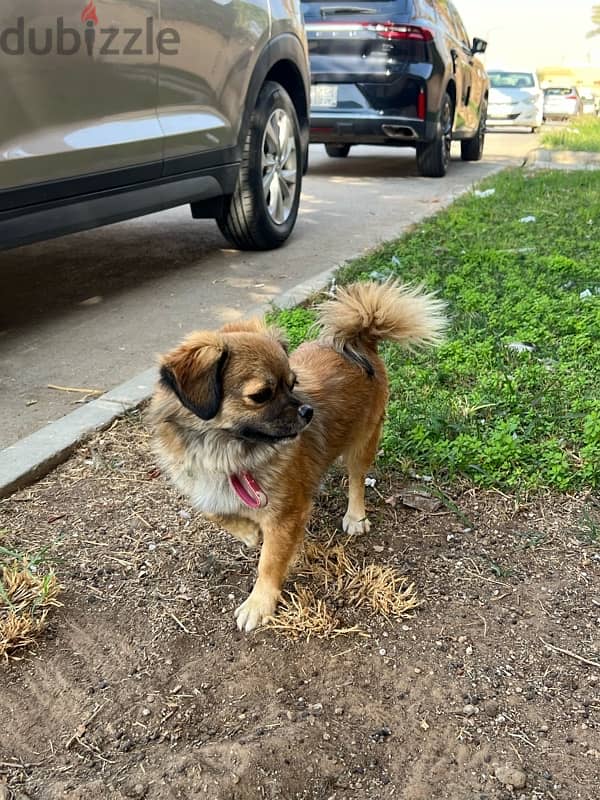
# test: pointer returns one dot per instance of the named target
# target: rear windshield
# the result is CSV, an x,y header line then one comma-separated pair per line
x,y
511,80
558,91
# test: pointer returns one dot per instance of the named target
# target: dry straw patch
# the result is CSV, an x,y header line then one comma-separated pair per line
x,y
380,589
26,598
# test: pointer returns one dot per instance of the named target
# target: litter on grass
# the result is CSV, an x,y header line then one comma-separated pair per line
x,y
521,347
485,193
529,218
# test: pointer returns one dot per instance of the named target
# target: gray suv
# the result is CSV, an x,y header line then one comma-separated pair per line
x,y
112,109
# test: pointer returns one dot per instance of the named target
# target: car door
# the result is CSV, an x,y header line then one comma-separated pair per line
x,y
461,59
81,94
466,116
203,82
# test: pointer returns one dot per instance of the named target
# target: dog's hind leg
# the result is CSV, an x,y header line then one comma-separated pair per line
x,y
358,458
246,530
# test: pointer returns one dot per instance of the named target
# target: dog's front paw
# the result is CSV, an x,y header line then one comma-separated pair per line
x,y
255,610
352,525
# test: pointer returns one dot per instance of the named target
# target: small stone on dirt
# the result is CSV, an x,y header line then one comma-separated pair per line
x,y
511,776
470,710
491,708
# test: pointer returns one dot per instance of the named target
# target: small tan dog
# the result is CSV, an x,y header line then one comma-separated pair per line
x,y
247,433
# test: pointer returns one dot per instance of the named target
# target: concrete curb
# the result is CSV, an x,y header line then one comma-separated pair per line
x,y
34,456
29,459
562,159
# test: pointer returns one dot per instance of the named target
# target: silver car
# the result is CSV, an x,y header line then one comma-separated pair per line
x,y
562,102
112,110
516,99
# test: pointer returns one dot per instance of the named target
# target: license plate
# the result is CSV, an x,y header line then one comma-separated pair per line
x,y
323,95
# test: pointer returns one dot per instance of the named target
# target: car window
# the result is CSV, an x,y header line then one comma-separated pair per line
x,y
558,91
448,14
459,27
511,80
425,9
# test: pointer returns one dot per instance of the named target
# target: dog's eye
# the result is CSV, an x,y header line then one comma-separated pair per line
x,y
263,396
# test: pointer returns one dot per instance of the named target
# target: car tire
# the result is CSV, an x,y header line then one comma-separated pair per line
x,y
472,149
337,150
262,211
433,157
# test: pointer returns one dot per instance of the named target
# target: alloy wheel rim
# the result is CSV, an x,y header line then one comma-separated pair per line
x,y
279,166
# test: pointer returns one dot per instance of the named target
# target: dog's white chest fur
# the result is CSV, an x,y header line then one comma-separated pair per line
x,y
210,492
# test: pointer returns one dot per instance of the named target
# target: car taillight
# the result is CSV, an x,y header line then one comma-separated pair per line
x,y
421,104
389,30
571,97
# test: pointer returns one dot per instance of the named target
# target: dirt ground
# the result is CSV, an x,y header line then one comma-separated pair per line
x,y
143,687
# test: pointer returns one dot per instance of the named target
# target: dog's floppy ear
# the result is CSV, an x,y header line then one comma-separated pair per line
x,y
194,372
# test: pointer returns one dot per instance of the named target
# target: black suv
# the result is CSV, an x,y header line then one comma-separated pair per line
x,y
395,72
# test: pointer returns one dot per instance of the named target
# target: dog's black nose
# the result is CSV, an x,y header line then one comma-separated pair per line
x,y
306,412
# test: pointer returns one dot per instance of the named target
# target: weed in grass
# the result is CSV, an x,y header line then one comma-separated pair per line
x,y
499,571
29,589
479,407
380,589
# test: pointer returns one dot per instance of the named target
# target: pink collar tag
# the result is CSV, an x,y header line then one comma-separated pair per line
x,y
248,490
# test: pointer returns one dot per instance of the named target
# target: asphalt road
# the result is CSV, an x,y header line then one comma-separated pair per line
x,y
91,310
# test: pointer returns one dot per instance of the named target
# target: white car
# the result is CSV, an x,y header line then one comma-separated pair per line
x,y
562,102
515,100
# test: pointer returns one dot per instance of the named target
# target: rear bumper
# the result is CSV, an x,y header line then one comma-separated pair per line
x,y
337,127
516,119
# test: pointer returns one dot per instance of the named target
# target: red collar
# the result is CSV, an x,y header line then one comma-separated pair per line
x,y
248,490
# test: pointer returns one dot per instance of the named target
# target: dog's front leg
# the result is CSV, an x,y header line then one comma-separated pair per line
x,y
281,538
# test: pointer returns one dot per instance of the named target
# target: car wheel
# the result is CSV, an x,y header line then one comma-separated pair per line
x,y
337,150
472,149
262,211
433,157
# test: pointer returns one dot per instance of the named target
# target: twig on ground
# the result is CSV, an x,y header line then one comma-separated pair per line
x,y
81,730
569,653
75,389
178,621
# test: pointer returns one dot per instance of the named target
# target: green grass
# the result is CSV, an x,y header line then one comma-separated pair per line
x,y
474,407
582,133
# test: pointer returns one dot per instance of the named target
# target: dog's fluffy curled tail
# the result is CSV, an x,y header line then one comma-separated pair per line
x,y
362,314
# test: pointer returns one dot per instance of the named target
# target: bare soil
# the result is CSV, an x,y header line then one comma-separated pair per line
x,y
143,687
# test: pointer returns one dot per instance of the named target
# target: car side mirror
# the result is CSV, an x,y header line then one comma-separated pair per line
x,y
479,46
